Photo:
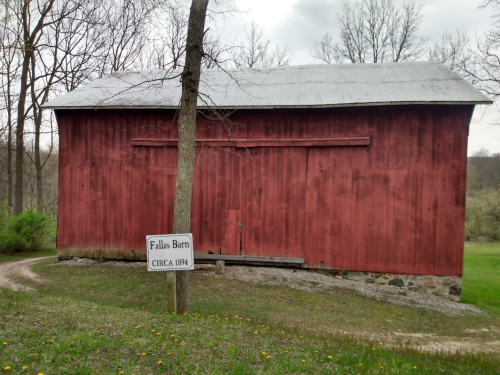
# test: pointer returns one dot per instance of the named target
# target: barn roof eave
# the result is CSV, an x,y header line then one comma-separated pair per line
x,y
374,104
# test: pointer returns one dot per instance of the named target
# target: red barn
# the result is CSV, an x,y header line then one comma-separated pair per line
x,y
357,167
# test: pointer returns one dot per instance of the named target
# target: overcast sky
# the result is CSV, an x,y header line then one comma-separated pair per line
x,y
299,23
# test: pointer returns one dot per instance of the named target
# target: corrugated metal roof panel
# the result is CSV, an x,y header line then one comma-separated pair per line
x,y
291,86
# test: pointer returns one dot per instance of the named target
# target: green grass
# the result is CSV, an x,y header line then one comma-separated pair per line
x,y
91,312
481,279
24,255
320,312
61,335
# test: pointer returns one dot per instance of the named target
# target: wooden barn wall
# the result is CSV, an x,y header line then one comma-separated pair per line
x,y
395,206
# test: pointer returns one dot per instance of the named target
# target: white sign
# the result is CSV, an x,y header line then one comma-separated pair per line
x,y
170,252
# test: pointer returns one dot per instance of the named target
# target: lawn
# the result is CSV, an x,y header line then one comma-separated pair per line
x,y
34,254
481,279
101,320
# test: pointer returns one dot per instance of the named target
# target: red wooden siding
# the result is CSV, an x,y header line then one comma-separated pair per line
x,y
391,200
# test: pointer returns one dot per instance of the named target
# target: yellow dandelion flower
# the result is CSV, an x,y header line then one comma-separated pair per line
x,y
51,340
286,351
43,343
415,367
301,337
421,351
380,343
361,364
160,362
330,357
25,367
322,343
248,319
282,331
4,343
268,356
6,368
172,335
40,373
138,353
121,372
176,340
382,367
303,361
315,351
35,355
138,326
143,353
255,332
227,318
197,329
168,353
158,334
373,348
263,353
98,351
153,331
102,329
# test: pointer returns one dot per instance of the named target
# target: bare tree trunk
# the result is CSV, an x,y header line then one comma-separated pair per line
x,y
9,157
18,194
38,165
187,125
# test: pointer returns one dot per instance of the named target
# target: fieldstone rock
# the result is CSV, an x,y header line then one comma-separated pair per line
x,y
457,281
387,276
429,282
369,280
438,292
455,290
446,281
353,278
397,282
410,283
381,281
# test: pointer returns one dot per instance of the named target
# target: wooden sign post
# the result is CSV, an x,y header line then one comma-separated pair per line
x,y
171,253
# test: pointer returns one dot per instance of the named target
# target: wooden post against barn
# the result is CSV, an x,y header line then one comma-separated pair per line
x,y
171,292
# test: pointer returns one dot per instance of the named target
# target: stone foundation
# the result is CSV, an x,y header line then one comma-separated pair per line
x,y
449,287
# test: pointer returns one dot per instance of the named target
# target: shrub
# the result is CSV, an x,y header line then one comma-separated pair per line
x,y
29,231
482,216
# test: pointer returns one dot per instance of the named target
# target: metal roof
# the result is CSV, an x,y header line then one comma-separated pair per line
x,y
303,86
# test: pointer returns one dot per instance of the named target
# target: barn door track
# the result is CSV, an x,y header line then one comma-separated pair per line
x,y
11,271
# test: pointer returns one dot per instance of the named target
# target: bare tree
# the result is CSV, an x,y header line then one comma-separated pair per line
x,y
484,71
124,32
257,52
187,125
454,51
9,63
374,31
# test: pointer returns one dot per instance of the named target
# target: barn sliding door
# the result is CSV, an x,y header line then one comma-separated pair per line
x,y
275,213
218,200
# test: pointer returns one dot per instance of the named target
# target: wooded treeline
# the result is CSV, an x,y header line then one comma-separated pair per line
x,y
49,47
483,197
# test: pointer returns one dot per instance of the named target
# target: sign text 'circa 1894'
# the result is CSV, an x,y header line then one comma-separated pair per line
x,y
170,252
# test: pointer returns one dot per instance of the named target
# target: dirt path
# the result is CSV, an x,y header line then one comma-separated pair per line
x,y
19,268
